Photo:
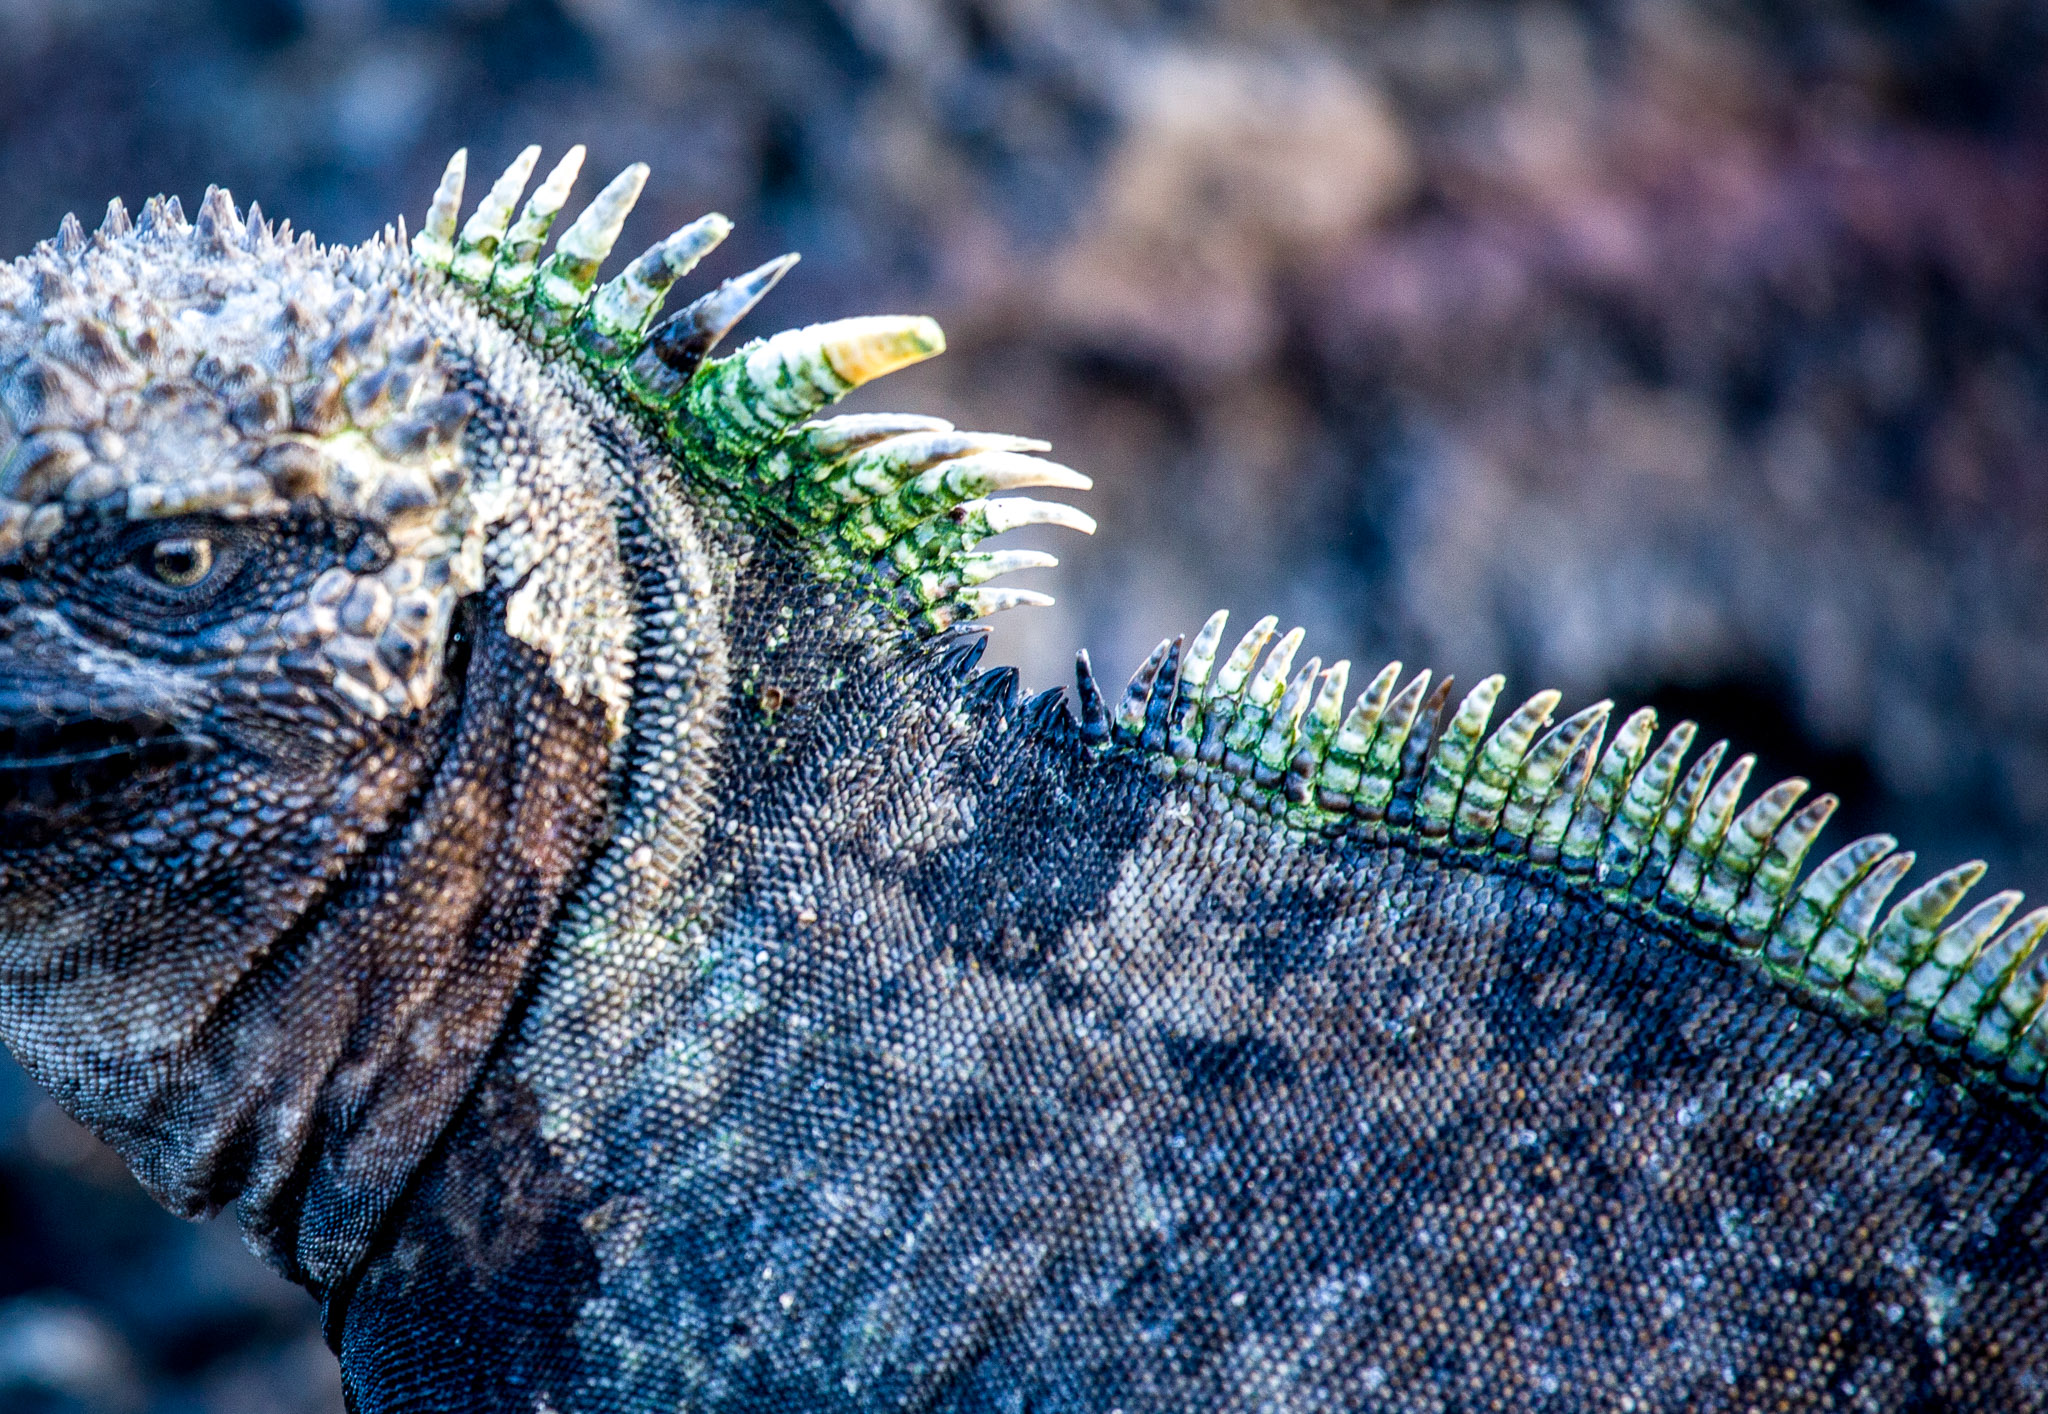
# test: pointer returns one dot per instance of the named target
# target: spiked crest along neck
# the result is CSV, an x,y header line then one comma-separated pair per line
x,y
895,503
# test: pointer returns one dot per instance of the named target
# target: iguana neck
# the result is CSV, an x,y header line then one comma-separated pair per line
x,y
811,791
306,1079
755,678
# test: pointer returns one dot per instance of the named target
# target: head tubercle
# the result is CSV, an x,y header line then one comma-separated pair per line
x,y
164,367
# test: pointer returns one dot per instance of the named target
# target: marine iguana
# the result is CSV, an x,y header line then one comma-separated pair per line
x,y
507,799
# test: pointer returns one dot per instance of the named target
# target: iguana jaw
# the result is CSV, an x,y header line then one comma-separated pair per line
x,y
46,767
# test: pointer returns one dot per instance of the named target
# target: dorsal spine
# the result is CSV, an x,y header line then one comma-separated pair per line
x,y
897,505
1650,829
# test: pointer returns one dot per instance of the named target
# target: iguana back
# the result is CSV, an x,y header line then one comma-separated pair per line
x,y
666,974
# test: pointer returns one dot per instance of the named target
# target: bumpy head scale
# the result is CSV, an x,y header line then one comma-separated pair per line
x,y
216,366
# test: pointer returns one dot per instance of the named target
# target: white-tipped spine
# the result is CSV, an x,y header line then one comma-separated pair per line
x,y
763,390
622,308
477,251
1016,512
519,253
564,282
435,243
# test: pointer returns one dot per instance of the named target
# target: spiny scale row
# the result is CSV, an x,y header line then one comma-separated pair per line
x,y
747,401
1638,821
902,500
219,228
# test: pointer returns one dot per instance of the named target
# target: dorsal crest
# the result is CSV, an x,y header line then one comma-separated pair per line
x,y
896,502
1636,826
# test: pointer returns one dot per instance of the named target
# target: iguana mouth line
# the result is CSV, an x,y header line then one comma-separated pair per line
x,y
70,762
177,745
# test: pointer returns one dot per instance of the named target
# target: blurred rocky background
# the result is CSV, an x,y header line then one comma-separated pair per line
x,y
1688,351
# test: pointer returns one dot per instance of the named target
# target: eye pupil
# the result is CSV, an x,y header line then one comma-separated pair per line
x,y
182,561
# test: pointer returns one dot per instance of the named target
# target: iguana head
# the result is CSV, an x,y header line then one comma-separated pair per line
x,y
312,577
247,485
236,517
234,512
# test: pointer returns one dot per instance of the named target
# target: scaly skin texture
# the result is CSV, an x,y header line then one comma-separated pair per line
x,y
502,799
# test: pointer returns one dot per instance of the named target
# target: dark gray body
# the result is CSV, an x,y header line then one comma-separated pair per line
x,y
1006,1076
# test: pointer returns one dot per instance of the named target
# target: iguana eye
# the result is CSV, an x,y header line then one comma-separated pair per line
x,y
182,575
180,561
